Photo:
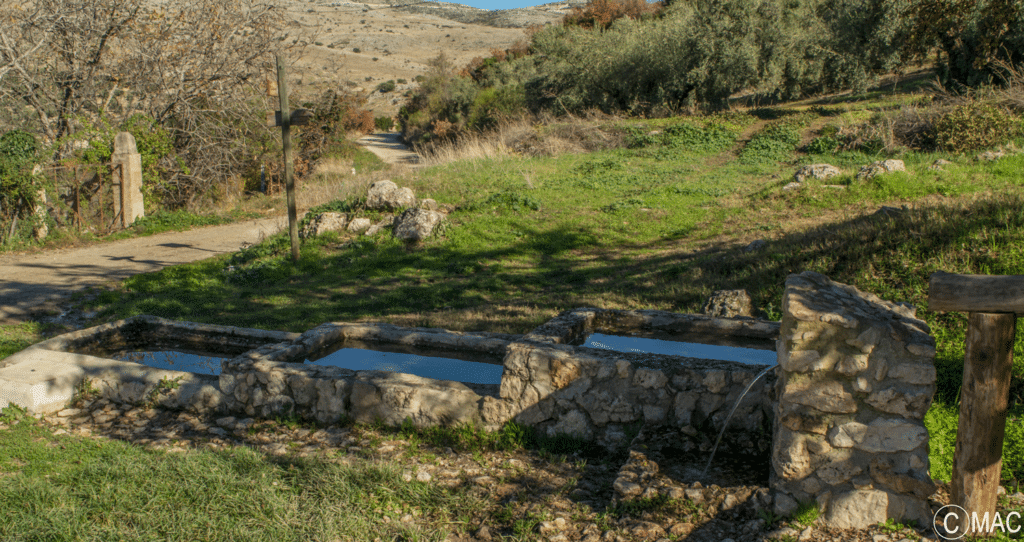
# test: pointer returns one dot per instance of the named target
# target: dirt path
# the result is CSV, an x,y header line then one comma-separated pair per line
x,y
388,147
32,283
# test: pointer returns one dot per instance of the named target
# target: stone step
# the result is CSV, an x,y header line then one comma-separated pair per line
x,y
40,381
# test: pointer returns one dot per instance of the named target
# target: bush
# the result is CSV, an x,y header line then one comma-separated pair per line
x,y
775,143
17,147
384,123
386,86
602,13
823,145
975,126
17,189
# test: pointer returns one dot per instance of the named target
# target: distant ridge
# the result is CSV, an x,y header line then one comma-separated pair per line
x,y
551,13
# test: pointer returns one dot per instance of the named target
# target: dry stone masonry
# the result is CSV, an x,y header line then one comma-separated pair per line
x,y
840,417
856,378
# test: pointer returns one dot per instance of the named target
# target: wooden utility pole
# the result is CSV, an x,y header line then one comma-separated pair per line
x,y
993,303
286,135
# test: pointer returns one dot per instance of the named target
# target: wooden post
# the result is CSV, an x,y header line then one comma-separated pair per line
x,y
992,302
289,182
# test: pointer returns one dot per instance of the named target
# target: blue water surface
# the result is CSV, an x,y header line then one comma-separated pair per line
x,y
457,370
206,364
618,343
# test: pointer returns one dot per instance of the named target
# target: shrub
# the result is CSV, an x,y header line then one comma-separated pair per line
x,y
823,145
386,86
402,81
384,123
17,190
17,146
356,50
602,13
975,126
775,143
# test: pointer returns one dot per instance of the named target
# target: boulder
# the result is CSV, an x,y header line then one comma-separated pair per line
x,y
359,224
816,171
386,195
879,168
417,224
729,304
991,156
324,222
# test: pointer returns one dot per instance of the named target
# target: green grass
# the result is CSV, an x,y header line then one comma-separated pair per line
x,y
72,488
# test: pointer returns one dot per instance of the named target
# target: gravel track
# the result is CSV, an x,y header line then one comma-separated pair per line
x,y
33,284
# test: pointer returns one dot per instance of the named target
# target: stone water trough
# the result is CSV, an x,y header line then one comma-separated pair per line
x,y
840,416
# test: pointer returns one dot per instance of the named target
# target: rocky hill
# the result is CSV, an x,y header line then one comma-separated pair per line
x,y
362,44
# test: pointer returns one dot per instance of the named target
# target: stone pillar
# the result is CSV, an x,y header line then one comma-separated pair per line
x,y
126,165
41,229
856,377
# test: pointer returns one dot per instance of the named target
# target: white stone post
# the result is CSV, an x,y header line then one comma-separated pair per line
x,y
857,376
126,165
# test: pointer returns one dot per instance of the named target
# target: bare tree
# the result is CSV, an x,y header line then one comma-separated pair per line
x,y
192,66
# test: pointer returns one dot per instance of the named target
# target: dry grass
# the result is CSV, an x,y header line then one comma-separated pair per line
x,y
534,136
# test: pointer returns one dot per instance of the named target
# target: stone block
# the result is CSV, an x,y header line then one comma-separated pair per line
x,y
651,378
303,390
573,423
824,395
683,407
864,508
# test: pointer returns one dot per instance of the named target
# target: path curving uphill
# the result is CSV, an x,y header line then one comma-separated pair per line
x,y
388,146
32,283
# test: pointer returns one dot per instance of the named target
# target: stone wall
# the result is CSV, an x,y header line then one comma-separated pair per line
x,y
856,378
561,389
272,380
605,395
67,361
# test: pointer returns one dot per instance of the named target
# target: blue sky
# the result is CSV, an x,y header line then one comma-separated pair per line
x,y
501,4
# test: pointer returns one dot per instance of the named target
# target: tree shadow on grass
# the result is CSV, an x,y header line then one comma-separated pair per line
x,y
891,255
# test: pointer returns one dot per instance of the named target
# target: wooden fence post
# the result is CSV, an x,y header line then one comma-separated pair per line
x,y
993,302
284,117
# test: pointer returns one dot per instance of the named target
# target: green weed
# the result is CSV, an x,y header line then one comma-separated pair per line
x,y
807,513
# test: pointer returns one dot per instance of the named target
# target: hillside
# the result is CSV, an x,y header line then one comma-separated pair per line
x,y
361,44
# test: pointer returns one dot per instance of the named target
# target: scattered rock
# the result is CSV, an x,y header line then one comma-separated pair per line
x,y
880,168
417,224
991,156
359,224
729,304
755,245
428,204
386,195
384,224
792,186
816,171
322,223
890,212
937,165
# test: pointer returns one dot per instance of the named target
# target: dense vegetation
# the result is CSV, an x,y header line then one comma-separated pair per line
x,y
621,56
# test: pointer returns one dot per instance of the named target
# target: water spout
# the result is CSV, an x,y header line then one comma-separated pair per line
x,y
729,417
